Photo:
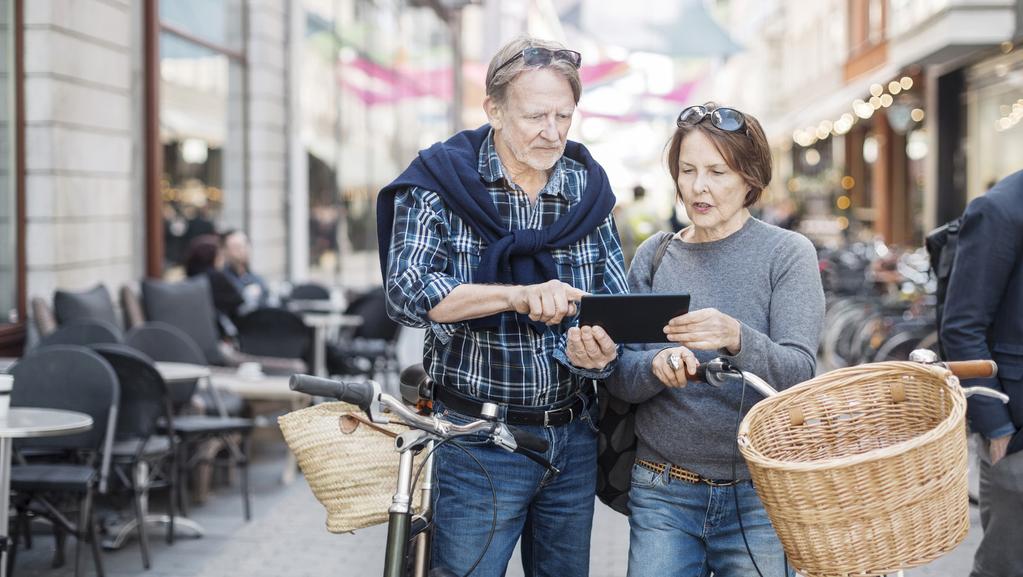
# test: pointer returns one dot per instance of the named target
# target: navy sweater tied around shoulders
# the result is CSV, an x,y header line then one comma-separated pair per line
x,y
522,256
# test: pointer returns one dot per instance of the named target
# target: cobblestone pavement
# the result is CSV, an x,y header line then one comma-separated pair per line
x,y
287,538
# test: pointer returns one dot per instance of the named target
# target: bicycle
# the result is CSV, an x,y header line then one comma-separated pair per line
x,y
426,432
832,417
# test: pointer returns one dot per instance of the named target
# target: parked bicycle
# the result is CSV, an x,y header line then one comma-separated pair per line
x,y
407,551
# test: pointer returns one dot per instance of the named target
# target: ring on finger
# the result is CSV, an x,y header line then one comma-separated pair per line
x,y
674,360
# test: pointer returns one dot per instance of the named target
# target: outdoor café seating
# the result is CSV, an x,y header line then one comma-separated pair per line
x,y
70,467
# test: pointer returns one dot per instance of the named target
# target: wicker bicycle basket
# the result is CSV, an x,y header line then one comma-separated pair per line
x,y
862,471
350,463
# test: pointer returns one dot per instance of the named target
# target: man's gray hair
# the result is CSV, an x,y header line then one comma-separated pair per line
x,y
498,81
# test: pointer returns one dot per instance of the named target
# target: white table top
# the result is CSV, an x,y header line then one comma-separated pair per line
x,y
263,387
330,320
315,306
181,372
23,422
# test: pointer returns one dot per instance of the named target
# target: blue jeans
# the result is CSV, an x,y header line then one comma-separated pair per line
x,y
552,514
690,529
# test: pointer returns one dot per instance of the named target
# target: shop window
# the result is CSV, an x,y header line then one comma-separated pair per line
x,y
202,122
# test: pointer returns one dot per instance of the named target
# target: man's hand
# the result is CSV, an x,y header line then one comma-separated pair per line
x,y
549,302
705,330
590,348
997,448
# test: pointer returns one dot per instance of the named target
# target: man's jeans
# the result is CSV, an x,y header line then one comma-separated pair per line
x,y
553,514
690,529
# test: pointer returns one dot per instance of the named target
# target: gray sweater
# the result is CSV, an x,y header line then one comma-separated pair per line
x,y
766,278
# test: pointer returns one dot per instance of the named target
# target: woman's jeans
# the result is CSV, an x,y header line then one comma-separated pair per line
x,y
552,514
691,529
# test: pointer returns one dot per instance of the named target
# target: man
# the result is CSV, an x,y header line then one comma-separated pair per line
x,y
983,319
488,240
250,286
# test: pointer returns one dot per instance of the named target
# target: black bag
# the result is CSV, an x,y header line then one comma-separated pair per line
x,y
941,244
616,439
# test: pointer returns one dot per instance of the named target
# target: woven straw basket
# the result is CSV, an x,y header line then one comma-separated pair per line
x,y
862,470
350,464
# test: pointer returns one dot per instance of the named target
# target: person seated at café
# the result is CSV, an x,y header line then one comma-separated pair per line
x,y
238,270
204,257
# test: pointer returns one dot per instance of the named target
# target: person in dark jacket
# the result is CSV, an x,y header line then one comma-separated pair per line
x,y
983,319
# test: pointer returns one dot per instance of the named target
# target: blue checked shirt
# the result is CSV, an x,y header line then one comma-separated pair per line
x,y
433,251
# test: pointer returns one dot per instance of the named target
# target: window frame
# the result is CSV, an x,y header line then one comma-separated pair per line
x,y
153,150
12,333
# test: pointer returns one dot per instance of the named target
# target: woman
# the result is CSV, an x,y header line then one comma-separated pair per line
x,y
204,257
756,298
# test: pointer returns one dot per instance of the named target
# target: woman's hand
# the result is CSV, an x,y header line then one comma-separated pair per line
x,y
705,330
590,348
671,365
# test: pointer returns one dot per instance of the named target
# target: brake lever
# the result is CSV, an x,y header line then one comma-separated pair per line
x,y
502,437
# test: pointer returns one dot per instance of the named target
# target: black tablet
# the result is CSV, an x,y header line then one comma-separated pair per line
x,y
633,318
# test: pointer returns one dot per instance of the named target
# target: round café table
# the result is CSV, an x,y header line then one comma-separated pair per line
x,y
21,423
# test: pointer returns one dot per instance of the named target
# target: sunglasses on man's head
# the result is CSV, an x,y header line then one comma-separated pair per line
x,y
727,119
537,56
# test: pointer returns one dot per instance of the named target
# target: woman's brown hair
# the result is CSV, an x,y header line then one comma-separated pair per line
x,y
746,152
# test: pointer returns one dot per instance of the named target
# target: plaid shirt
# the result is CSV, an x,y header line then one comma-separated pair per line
x,y
433,251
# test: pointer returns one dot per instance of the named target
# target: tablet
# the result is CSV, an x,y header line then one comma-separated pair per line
x,y
633,318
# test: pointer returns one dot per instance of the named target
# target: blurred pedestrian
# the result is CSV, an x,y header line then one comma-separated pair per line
x,y
489,240
983,319
756,298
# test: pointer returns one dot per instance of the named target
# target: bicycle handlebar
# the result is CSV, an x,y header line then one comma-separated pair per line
x,y
367,396
972,369
356,393
716,371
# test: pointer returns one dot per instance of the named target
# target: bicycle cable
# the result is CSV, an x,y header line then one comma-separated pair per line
x,y
735,488
493,493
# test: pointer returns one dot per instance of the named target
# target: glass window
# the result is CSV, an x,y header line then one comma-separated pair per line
x,y
215,21
375,89
994,122
8,199
202,135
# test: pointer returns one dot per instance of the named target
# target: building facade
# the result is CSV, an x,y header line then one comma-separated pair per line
x,y
886,115
130,128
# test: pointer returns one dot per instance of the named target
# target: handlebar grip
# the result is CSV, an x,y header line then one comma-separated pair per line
x,y
972,369
699,375
360,394
529,441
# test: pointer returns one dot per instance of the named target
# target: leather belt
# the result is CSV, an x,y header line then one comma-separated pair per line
x,y
681,474
552,416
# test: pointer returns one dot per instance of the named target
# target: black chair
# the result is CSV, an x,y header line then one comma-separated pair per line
x,y
76,379
372,346
188,305
92,304
165,343
274,332
82,332
309,291
141,458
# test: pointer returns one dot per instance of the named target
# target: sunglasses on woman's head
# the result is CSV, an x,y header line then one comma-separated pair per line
x,y
537,56
727,119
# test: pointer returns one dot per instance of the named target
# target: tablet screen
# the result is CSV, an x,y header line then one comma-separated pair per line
x,y
633,318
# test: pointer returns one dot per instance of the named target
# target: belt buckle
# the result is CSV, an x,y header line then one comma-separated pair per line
x,y
546,418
